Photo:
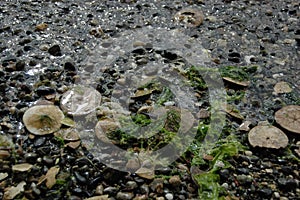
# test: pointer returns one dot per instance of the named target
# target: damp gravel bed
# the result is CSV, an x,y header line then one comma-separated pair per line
x,y
48,46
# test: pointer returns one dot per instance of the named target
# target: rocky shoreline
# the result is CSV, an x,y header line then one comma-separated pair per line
x,y
48,46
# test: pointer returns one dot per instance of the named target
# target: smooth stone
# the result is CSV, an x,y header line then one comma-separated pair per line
x,y
265,192
110,190
124,195
55,50
169,196
99,189
39,141
131,185
80,178
48,159
144,189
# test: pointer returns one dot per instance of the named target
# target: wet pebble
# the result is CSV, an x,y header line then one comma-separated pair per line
x,y
79,177
99,190
130,185
110,190
144,189
44,90
175,181
125,195
48,160
169,196
265,192
39,141
287,184
55,50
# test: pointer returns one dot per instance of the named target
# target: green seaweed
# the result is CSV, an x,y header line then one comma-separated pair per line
x,y
238,73
165,96
208,181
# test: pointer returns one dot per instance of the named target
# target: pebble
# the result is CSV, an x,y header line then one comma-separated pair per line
x,y
265,192
144,189
39,141
130,185
284,198
225,186
169,196
243,179
79,177
110,190
248,153
175,181
55,50
157,185
99,190
48,160
276,195
287,184
30,157
125,195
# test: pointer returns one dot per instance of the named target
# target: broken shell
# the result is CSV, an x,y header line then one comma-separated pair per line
x,y
142,93
267,136
43,119
240,83
288,117
80,100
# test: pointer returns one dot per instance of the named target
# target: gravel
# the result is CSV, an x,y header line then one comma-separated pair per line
x,y
44,46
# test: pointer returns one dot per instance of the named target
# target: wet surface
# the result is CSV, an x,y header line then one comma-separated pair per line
x,y
116,48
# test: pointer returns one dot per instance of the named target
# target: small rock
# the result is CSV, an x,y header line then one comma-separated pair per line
x,y
99,190
3,176
287,184
265,192
147,173
20,65
244,179
144,189
245,126
130,185
22,167
48,160
41,27
39,141
125,195
243,170
44,90
175,181
248,153
55,50
157,185
276,195
80,178
225,186
4,154
169,196
110,190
